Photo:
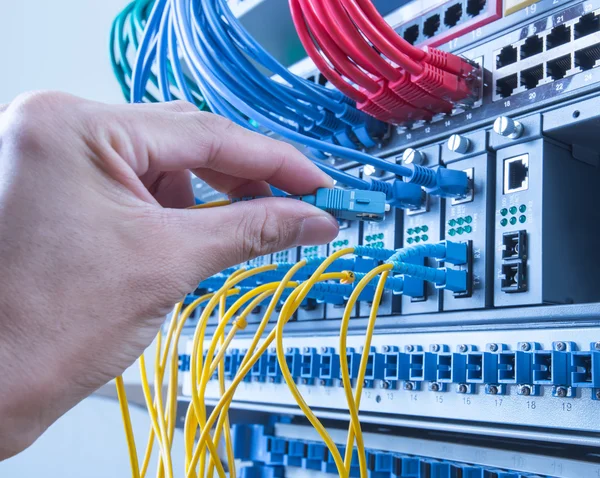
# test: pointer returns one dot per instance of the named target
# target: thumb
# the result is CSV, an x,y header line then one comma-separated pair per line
x,y
217,238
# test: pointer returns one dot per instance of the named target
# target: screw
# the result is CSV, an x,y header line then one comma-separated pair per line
x,y
304,381
386,348
273,350
525,346
409,386
272,379
508,127
435,387
462,348
409,348
462,388
289,350
321,382
435,348
597,345
560,346
524,390
597,394
493,347
493,390
411,156
458,144
306,350
323,350
561,392
385,385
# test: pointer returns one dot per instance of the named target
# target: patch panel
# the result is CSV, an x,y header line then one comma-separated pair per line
x,y
490,376
441,24
311,309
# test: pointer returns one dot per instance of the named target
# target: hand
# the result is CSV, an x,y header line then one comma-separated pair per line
x,y
96,246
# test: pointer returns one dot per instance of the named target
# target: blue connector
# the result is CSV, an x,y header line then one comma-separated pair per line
x,y
399,193
374,253
456,280
447,183
309,365
348,204
585,369
329,366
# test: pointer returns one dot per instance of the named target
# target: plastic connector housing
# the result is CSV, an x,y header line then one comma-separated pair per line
x,y
456,253
456,280
352,204
450,63
444,85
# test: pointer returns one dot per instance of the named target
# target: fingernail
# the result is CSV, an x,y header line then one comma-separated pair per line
x,y
318,230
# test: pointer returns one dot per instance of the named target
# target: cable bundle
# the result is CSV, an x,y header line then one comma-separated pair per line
x,y
396,82
197,50
234,302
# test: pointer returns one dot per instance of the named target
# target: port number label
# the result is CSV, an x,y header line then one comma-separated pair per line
x,y
531,405
587,77
531,9
498,402
559,86
587,7
467,400
532,95
559,19
476,33
567,407
507,103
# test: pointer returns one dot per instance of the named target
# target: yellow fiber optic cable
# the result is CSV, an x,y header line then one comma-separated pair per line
x,y
133,458
246,365
206,205
352,406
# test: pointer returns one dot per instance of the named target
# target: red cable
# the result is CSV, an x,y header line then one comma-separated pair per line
x,y
379,40
356,47
400,43
333,52
334,77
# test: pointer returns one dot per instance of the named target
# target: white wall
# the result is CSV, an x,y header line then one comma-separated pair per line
x,y
62,45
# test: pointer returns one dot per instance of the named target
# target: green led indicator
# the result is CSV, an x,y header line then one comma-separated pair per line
x,y
460,221
346,242
425,228
410,230
417,239
468,229
380,235
425,237
522,208
513,209
513,220
468,219
504,211
410,240
452,232
460,230
452,223
417,230
522,219
503,222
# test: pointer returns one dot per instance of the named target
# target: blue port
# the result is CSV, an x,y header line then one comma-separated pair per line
x,y
444,469
395,365
296,453
470,471
329,368
230,363
184,363
259,369
293,359
375,368
514,367
309,365
315,455
407,467
481,367
379,464
275,450
444,367
238,365
422,366
549,367
353,361
273,370
585,369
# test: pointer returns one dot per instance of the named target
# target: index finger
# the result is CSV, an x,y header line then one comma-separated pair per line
x,y
174,136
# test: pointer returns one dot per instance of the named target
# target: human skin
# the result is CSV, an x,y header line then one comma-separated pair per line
x,y
96,245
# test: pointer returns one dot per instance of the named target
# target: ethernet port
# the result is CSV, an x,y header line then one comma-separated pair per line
x,y
411,34
558,36
532,76
513,277
431,25
475,7
516,174
507,56
587,25
586,58
452,15
558,67
505,86
532,46
514,245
